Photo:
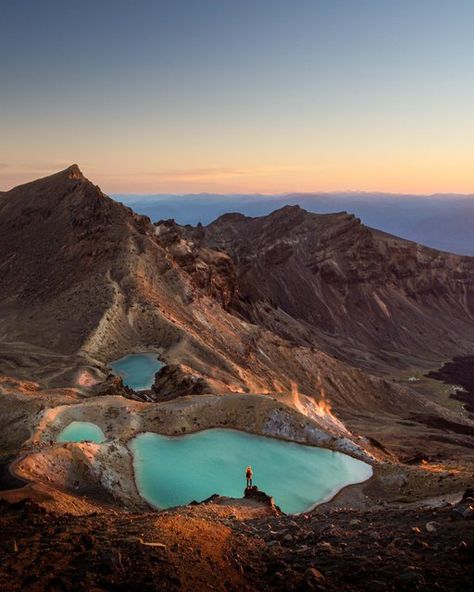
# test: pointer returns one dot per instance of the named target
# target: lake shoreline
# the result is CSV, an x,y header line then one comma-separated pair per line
x,y
284,480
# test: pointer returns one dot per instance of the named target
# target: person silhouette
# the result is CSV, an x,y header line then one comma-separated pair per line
x,y
249,476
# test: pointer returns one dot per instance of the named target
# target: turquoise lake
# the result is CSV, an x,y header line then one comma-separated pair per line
x,y
79,431
175,470
137,370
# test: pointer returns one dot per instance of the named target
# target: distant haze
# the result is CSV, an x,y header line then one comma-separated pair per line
x,y
444,222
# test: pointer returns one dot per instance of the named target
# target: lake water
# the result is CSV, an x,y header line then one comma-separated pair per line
x,y
137,370
78,431
172,471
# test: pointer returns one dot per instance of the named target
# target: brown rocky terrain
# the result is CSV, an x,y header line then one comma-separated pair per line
x,y
84,280
234,546
252,305
372,299
306,327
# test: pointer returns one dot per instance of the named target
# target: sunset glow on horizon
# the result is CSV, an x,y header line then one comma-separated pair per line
x,y
225,97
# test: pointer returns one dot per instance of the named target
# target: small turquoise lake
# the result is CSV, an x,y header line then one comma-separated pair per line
x,y
137,370
175,470
79,431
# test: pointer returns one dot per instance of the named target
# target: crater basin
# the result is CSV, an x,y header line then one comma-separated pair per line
x,y
137,370
80,431
175,470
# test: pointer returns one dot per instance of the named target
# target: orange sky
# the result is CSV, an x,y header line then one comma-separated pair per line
x,y
173,97
395,177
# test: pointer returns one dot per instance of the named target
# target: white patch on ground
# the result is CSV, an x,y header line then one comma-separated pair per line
x,y
381,304
350,447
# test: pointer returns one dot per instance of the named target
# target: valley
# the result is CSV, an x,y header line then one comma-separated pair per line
x,y
293,330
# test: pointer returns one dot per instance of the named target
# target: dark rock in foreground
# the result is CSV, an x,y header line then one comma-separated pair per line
x,y
183,549
253,493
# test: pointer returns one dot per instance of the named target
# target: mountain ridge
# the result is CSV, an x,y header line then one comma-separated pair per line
x,y
242,305
347,274
442,222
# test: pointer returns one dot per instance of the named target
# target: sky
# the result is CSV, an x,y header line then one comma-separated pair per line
x,y
270,96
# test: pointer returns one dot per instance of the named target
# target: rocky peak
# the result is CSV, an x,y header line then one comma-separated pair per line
x,y
294,211
230,218
51,190
74,172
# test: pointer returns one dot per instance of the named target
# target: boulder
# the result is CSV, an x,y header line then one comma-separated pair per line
x,y
313,575
177,380
254,493
432,526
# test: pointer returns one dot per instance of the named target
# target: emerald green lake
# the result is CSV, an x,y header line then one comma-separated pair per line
x,y
176,470
137,370
79,431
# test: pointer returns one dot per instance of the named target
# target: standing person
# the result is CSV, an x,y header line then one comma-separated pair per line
x,y
249,476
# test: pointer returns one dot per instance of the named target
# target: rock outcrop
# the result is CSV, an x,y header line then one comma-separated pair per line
x,y
175,380
327,280
253,493
289,302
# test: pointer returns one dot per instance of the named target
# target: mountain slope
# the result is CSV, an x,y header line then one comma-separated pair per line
x,y
441,221
85,278
53,233
329,281
246,305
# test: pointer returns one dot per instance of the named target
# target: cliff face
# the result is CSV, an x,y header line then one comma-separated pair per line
x,y
354,291
211,270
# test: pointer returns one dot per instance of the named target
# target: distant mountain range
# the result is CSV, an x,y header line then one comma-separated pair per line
x,y
441,221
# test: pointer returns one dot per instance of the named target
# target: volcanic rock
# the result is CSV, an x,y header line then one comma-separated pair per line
x,y
175,380
253,493
245,305
310,276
